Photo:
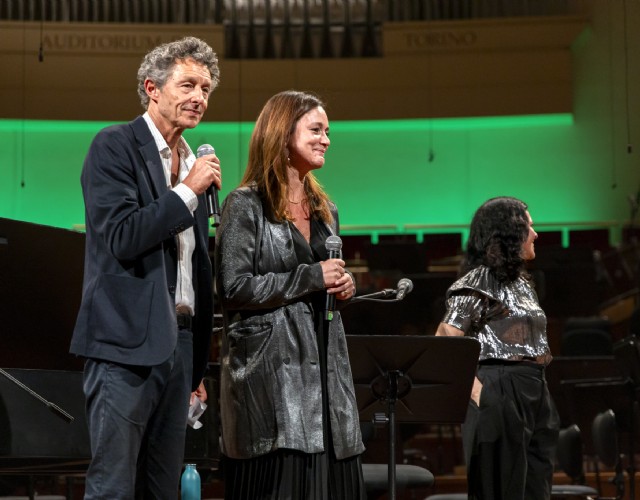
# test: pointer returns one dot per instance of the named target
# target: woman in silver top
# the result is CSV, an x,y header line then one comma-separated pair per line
x,y
511,428
290,424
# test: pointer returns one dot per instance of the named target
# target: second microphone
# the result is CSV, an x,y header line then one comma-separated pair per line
x,y
333,244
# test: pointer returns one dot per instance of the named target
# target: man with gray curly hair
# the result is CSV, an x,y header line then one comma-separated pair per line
x,y
145,321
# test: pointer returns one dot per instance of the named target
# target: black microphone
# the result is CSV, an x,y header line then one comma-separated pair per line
x,y
333,246
405,285
211,195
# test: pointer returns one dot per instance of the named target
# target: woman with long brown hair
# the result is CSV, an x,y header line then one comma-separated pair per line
x,y
290,424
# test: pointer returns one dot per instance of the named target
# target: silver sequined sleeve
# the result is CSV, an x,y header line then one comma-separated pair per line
x,y
505,318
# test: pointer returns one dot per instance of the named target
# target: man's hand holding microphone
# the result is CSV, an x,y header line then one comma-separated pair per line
x,y
205,176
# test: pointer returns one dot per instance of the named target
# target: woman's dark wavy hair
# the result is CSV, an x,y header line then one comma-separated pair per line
x,y
498,230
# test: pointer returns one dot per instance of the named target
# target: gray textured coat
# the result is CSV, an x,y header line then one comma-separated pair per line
x,y
270,394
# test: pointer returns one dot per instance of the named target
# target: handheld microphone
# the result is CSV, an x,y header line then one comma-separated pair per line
x,y
333,246
211,195
405,285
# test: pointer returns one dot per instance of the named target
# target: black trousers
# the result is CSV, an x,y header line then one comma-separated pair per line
x,y
137,418
510,439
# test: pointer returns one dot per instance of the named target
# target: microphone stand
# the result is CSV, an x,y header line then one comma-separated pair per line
x,y
386,295
54,408
392,392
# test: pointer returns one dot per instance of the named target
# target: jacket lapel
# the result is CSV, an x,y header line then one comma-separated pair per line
x,y
201,225
149,152
282,241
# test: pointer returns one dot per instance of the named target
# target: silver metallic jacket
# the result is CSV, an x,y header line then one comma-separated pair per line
x,y
505,318
270,395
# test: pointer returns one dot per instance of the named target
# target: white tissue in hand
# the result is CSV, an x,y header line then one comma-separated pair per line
x,y
196,409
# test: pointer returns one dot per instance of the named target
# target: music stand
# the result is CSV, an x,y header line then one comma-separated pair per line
x,y
627,352
418,378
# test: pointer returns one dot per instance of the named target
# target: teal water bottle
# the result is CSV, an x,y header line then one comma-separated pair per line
x,y
190,483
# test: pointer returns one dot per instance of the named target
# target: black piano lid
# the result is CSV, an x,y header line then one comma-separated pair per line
x,y
41,270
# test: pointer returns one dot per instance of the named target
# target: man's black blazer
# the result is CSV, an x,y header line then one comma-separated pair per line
x,y
127,314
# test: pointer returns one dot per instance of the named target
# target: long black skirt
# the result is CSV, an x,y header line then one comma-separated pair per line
x,y
293,475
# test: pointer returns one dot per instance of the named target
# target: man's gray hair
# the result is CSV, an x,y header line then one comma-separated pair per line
x,y
158,64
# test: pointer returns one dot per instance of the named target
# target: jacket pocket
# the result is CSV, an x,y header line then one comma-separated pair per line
x,y
120,310
250,342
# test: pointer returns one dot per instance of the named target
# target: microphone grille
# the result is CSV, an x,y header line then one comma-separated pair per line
x,y
333,243
407,283
205,149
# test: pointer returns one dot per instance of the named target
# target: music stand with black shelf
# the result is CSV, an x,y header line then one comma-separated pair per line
x,y
414,379
627,353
